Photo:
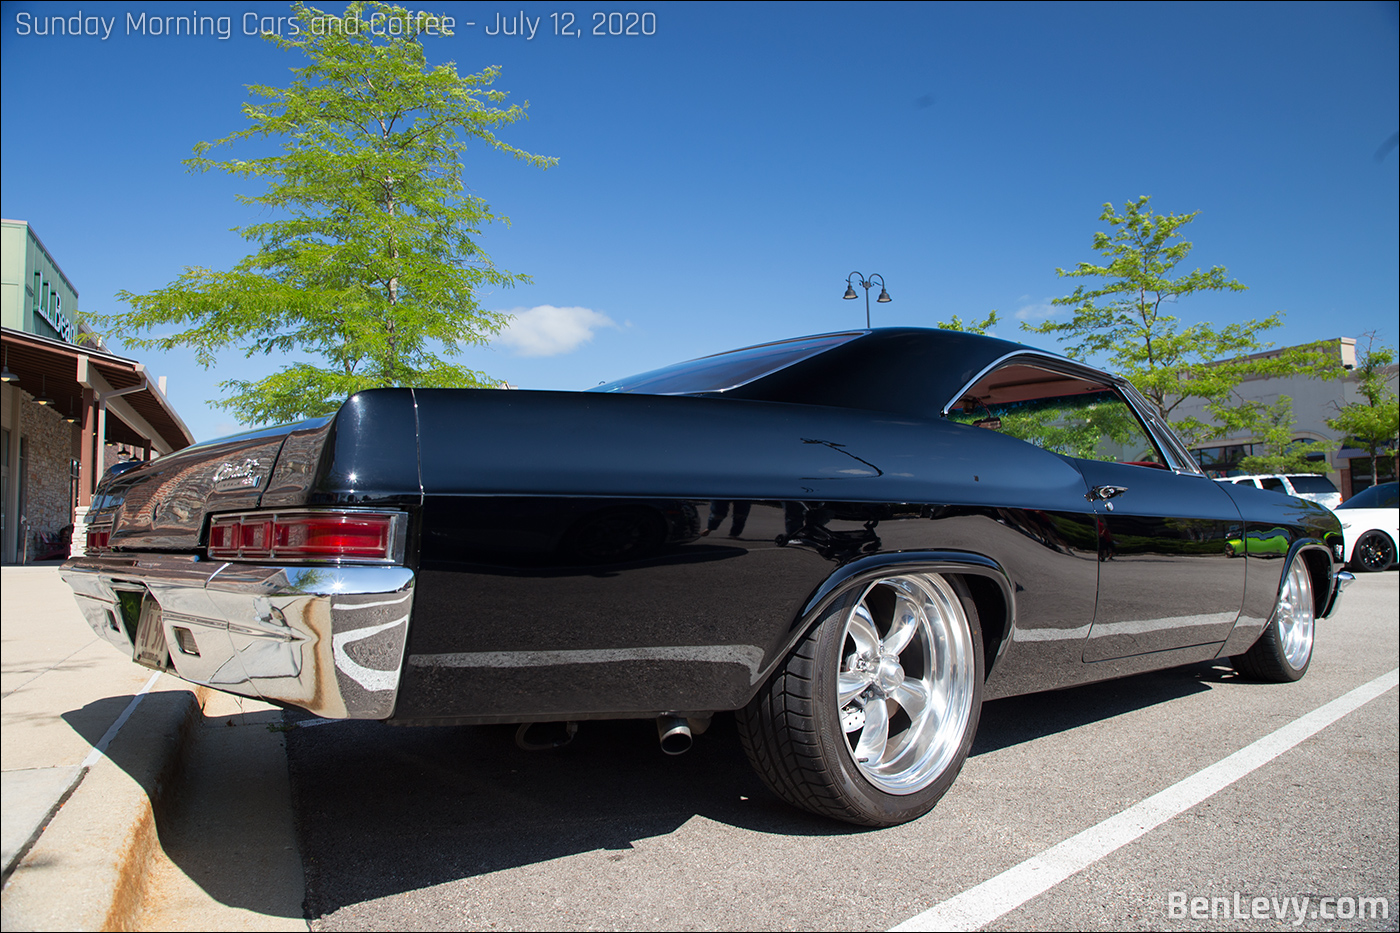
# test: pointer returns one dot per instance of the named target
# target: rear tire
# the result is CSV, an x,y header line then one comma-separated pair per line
x,y
1284,649
871,717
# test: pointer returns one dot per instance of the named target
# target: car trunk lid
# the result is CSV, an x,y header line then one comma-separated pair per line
x,y
162,505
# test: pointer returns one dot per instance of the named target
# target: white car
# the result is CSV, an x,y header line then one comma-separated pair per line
x,y
1309,486
1369,525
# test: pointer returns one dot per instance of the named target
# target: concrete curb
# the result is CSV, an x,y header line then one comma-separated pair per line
x,y
88,868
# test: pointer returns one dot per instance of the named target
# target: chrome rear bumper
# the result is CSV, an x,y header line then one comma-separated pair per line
x,y
330,640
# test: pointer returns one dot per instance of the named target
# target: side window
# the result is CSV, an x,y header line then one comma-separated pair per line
x,y
1273,484
1064,414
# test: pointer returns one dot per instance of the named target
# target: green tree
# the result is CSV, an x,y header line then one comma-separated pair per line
x,y
971,327
1093,427
1081,431
1375,422
1123,319
369,263
1282,453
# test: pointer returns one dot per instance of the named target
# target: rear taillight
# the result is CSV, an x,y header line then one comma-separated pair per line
x,y
97,539
297,536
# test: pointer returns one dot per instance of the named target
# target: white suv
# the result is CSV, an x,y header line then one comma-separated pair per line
x,y
1311,486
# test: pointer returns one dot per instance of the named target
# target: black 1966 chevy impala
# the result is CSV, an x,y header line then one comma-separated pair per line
x,y
917,521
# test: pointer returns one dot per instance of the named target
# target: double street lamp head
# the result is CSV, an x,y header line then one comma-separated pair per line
x,y
865,283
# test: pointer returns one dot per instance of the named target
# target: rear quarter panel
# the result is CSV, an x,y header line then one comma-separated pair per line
x,y
1280,526
514,620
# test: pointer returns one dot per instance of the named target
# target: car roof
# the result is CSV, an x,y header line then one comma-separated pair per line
x,y
909,370
1379,491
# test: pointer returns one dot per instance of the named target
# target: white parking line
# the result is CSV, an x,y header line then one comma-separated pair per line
x,y
994,897
101,747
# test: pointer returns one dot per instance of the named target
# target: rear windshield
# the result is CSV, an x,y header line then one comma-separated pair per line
x,y
1312,483
725,370
1384,496
260,433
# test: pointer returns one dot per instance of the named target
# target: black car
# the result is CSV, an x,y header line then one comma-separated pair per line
x,y
920,521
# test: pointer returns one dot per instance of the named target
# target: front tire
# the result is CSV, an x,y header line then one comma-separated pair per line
x,y
1373,553
1284,649
872,716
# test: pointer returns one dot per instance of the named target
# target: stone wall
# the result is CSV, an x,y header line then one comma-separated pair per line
x,y
49,451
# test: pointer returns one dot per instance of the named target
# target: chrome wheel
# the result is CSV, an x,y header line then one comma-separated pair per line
x,y
870,718
905,681
1294,617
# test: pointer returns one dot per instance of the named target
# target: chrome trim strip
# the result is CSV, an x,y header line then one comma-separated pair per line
x,y
750,656
331,639
1178,456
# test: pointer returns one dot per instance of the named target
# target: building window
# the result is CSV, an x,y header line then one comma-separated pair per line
x,y
1224,460
1361,472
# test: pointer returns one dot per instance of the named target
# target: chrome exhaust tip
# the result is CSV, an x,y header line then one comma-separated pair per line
x,y
674,733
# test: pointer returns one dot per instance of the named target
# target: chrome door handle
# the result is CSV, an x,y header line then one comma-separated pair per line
x,y
1105,492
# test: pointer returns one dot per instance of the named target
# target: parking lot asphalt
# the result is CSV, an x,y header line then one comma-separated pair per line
x,y
456,828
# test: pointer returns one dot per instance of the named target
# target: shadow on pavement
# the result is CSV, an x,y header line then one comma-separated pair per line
x,y
382,810
1020,719
215,800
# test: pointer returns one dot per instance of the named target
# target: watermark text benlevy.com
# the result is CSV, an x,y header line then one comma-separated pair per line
x,y
1295,909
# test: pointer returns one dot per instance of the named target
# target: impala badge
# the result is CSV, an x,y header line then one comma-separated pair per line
x,y
236,474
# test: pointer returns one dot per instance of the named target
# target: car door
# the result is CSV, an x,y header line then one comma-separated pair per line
x,y
1166,579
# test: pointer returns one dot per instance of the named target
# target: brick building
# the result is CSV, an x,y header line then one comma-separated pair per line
x,y
68,408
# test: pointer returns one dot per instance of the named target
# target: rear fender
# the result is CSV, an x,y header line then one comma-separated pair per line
x,y
847,582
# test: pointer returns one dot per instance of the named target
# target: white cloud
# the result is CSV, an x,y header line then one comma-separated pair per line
x,y
1037,311
549,331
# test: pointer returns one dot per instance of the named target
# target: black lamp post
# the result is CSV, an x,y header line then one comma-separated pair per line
x,y
865,283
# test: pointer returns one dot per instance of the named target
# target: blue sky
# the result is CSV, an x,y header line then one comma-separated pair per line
x,y
718,180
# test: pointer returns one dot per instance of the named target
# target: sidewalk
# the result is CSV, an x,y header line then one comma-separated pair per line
x,y
90,741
